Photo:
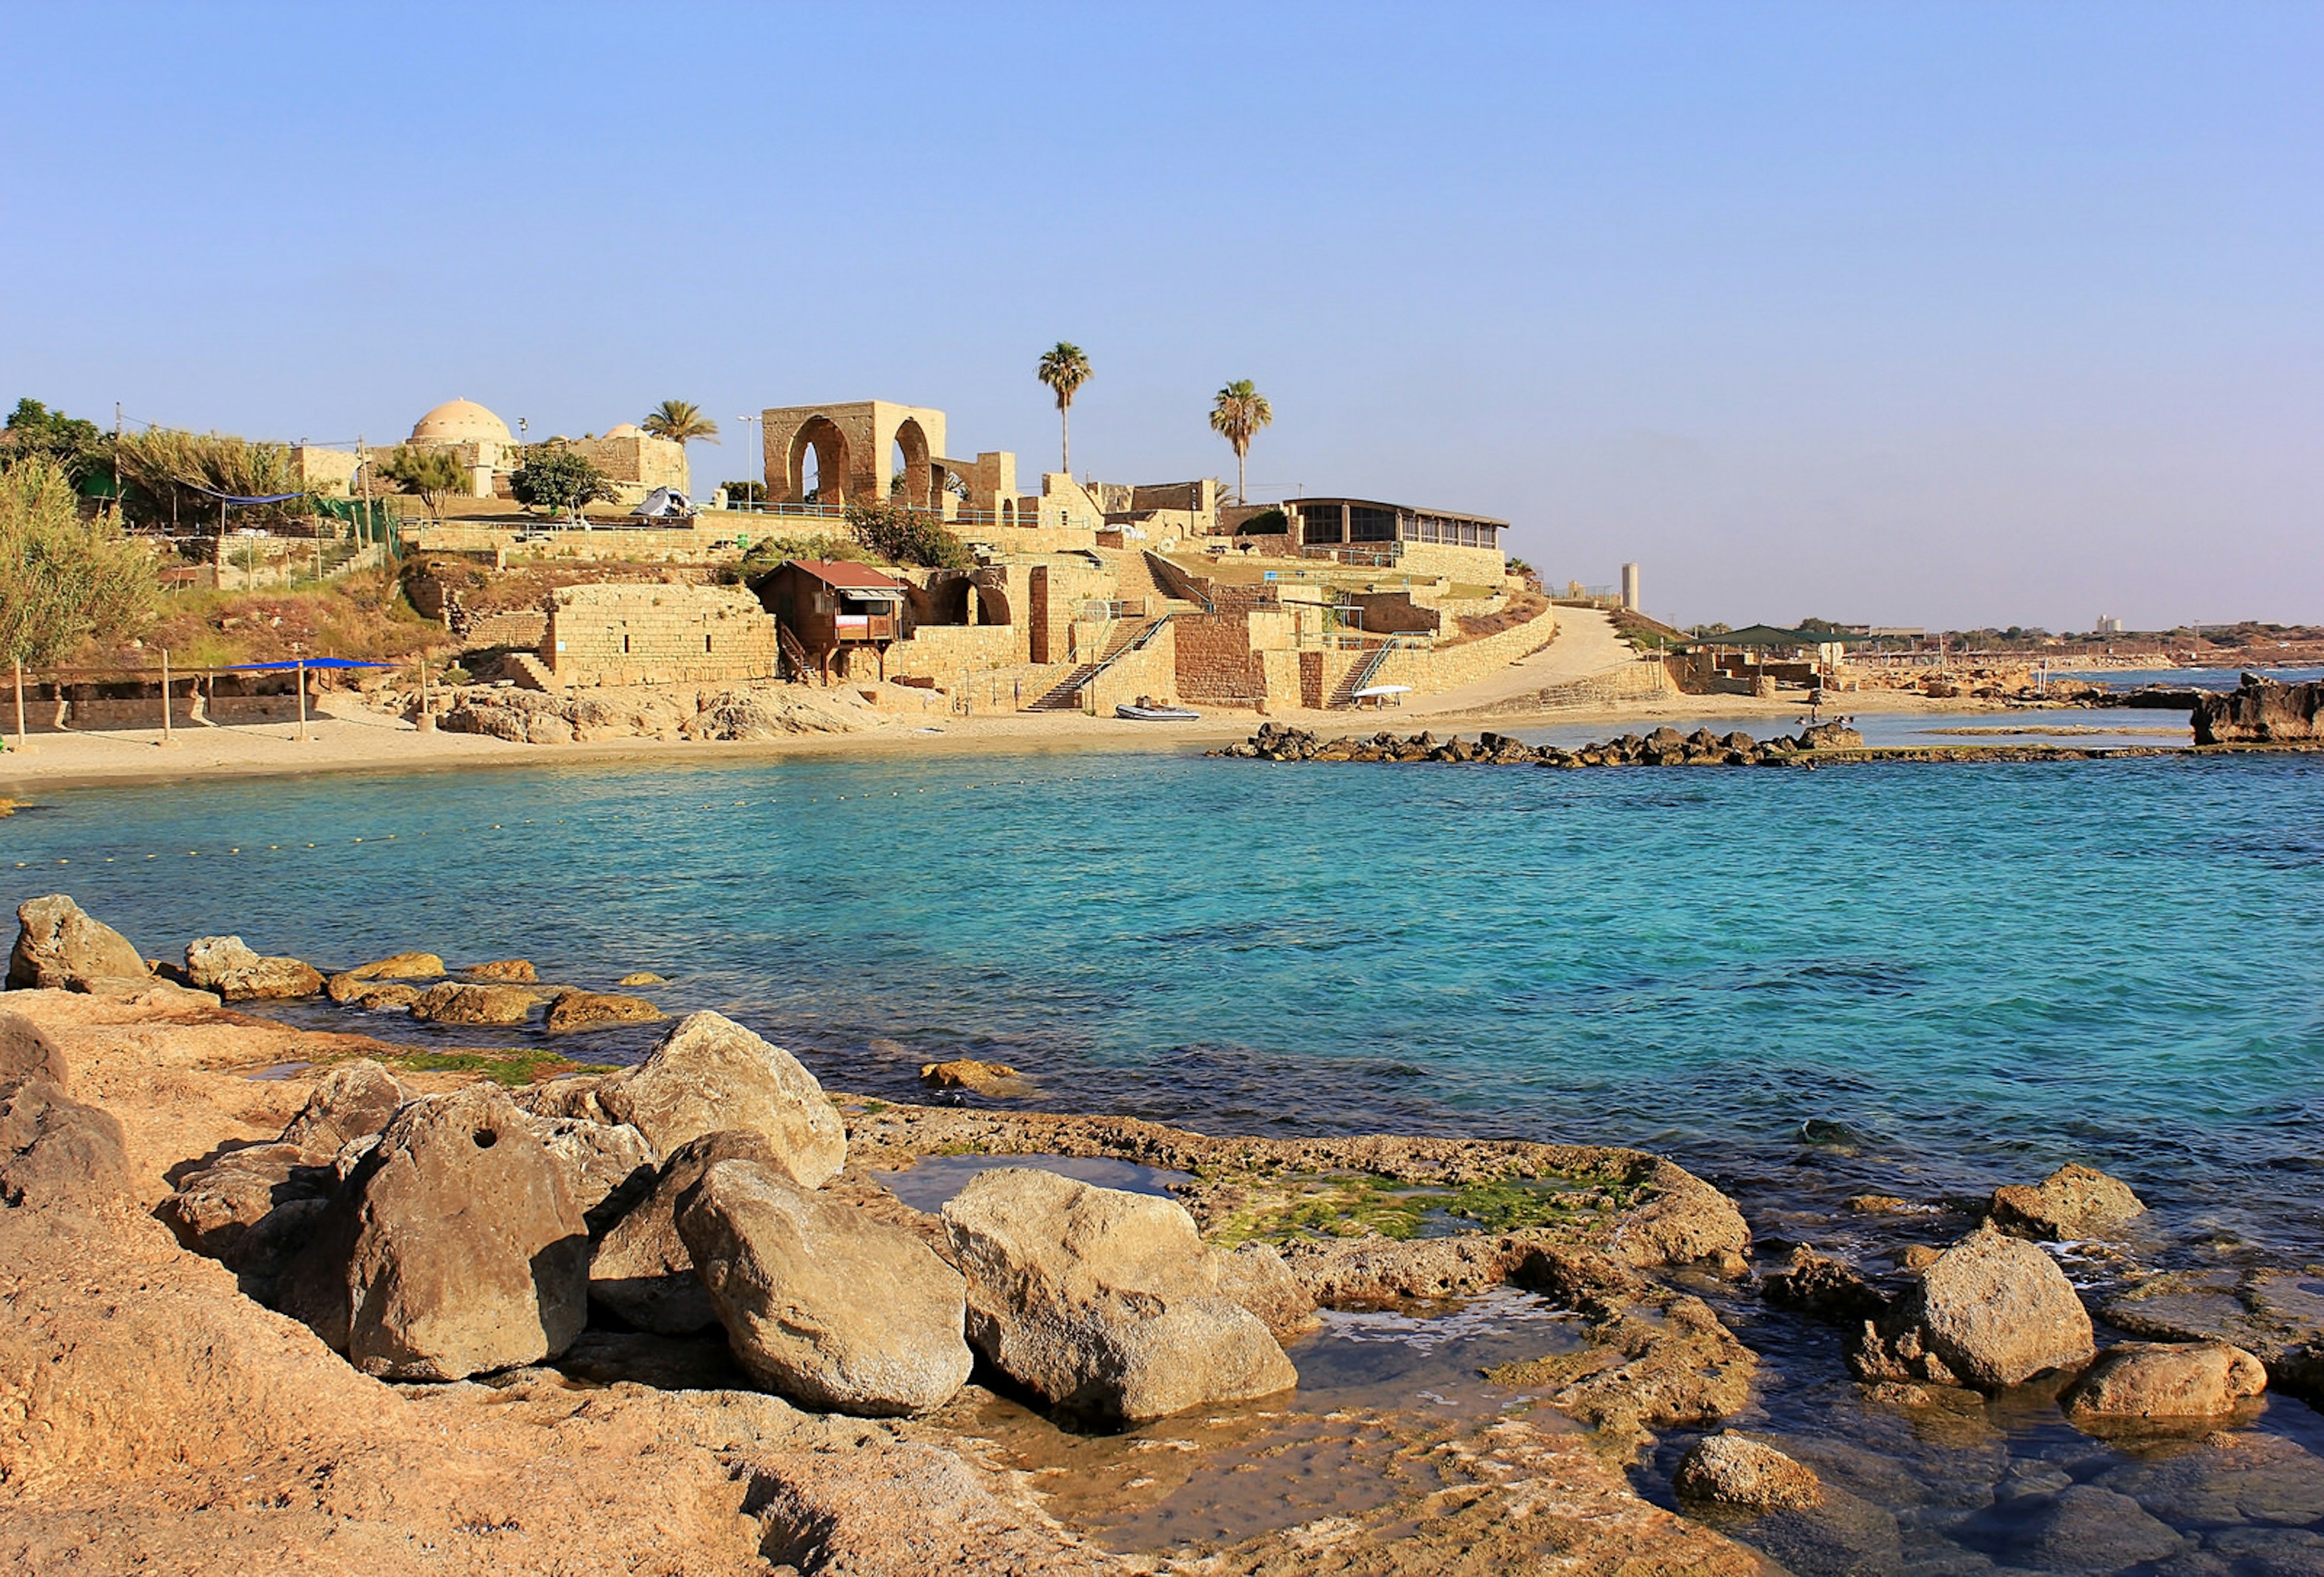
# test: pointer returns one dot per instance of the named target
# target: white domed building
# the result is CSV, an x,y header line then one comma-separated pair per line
x,y
481,439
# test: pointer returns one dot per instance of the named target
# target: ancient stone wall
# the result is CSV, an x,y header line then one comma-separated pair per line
x,y
652,633
1215,663
944,652
1448,667
645,461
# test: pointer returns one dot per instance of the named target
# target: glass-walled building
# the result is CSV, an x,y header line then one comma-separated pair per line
x,y
1360,523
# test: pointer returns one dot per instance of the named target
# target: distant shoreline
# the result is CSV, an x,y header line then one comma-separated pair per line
x,y
364,741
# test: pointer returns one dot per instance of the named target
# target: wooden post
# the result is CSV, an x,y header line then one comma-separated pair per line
x,y
22,747
167,739
302,697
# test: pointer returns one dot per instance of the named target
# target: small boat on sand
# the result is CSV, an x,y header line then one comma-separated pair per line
x,y
1146,713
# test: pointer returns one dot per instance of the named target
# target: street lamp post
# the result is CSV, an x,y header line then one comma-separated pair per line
x,y
758,443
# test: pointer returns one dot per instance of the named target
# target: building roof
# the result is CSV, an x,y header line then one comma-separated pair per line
x,y
846,575
460,421
1409,509
626,430
1775,635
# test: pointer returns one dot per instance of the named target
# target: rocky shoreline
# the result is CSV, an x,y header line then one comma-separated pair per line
x,y
672,1317
2260,714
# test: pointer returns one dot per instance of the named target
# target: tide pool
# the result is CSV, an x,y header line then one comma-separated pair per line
x,y
1902,977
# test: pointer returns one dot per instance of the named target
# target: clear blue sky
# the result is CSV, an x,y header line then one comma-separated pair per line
x,y
1945,314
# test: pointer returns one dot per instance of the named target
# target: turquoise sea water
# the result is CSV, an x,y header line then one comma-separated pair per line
x,y
1904,978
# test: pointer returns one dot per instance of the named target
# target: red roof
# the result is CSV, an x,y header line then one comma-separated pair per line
x,y
848,576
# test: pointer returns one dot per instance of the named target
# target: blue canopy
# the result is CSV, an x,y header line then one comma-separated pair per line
x,y
304,662
233,498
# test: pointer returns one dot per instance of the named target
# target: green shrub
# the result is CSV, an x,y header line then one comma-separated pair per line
x,y
904,536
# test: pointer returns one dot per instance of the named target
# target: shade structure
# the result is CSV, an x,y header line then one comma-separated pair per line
x,y
301,662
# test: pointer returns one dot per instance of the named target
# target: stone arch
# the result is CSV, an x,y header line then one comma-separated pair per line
x,y
919,489
992,604
831,461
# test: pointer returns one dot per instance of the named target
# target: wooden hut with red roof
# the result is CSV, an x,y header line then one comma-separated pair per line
x,y
834,608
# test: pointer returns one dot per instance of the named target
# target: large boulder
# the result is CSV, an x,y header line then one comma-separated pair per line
x,y
641,1269
822,1302
1256,1277
400,966
2165,1380
2073,1202
253,1210
27,1052
606,1165
577,1010
224,965
1732,1469
354,1100
709,1073
1990,1312
452,1003
502,971
58,947
1105,1302
455,1247
56,1153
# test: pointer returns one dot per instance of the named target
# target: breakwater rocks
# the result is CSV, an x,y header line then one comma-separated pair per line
x,y
1824,744
2259,711
1664,747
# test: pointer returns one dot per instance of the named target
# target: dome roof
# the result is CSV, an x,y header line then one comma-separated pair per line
x,y
460,421
628,430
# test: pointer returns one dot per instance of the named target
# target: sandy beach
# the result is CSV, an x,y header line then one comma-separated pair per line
x,y
354,738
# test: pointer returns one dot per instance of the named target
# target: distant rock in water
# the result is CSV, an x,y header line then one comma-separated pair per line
x,y
2260,712
2071,1203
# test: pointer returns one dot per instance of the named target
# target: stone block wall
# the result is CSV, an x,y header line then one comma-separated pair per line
x,y
1151,670
1448,667
647,462
943,652
1216,662
651,633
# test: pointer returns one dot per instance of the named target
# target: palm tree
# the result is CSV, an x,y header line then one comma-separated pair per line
x,y
680,421
1237,414
1064,368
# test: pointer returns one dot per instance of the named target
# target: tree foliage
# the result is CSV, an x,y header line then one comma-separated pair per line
x,y
1063,369
1237,414
76,444
435,475
555,478
63,579
904,536
680,421
169,478
745,492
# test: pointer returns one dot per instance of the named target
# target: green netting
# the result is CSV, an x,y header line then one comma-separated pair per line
x,y
370,519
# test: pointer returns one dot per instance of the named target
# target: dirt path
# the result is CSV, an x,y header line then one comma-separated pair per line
x,y
1585,647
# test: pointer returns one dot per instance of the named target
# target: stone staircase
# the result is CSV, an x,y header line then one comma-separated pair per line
x,y
1067,695
1357,678
529,672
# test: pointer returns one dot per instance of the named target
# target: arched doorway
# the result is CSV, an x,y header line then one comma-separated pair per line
x,y
822,438
910,461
